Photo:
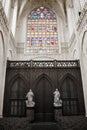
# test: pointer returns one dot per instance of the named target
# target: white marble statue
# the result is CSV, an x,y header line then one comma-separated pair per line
x,y
57,100
29,101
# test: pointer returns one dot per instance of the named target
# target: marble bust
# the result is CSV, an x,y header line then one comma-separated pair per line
x,y
57,100
29,101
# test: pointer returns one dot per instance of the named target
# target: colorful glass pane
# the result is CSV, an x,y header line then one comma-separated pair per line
x,y
42,27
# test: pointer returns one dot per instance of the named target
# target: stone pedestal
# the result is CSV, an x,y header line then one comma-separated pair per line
x,y
30,113
57,112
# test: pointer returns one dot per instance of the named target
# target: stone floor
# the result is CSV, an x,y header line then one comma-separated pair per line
x,y
45,126
73,123
62,123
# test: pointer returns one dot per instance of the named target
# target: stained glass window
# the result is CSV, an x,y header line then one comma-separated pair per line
x,y
42,28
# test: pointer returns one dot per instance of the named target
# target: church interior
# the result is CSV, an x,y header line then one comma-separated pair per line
x,y
43,64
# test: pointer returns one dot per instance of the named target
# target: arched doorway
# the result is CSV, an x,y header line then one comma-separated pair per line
x,y
44,99
17,98
69,96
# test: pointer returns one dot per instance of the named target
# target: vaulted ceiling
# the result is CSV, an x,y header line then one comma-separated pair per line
x,y
58,6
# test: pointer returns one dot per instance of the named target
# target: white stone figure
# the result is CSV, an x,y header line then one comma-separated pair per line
x,y
29,101
57,100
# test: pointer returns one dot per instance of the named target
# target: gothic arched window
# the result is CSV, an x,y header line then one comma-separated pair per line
x,y
42,31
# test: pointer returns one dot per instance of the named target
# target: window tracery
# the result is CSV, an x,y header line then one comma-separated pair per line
x,y
42,31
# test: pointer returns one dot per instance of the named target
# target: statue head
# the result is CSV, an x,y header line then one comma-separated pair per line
x,y
57,89
30,90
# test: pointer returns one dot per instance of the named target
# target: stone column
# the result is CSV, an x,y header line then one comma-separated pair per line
x,y
2,73
7,8
59,34
3,3
14,20
70,16
83,64
77,9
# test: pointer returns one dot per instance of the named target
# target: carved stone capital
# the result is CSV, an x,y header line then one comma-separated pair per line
x,y
3,19
82,21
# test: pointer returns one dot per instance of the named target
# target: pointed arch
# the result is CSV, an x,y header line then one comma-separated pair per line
x,y
69,95
83,44
42,34
68,86
14,78
15,94
43,91
46,77
70,76
18,80
3,44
